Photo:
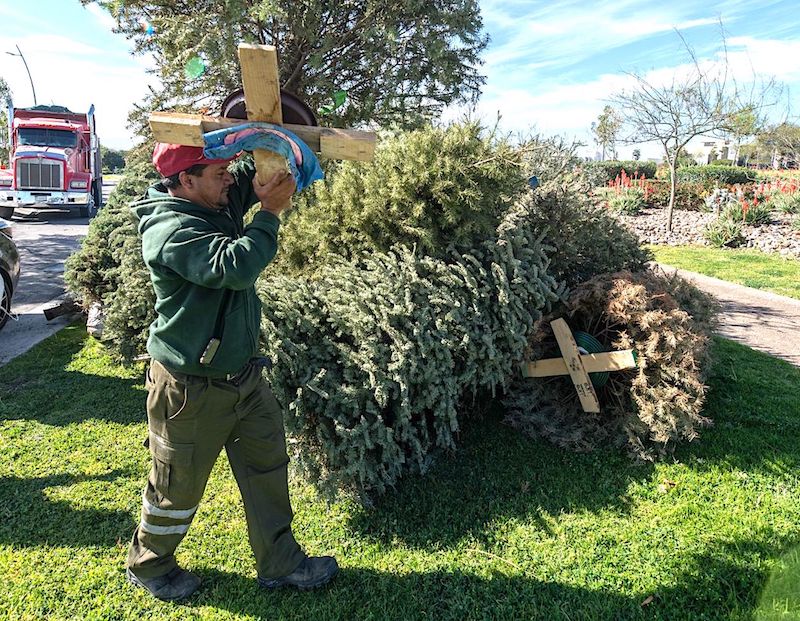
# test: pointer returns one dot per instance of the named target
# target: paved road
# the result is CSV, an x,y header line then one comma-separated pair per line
x,y
764,321
45,238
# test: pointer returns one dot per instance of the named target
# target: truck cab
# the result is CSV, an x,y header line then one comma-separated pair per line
x,y
55,161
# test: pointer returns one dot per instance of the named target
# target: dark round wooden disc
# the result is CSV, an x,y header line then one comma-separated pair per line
x,y
295,111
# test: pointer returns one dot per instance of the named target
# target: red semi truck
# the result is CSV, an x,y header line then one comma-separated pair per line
x,y
54,161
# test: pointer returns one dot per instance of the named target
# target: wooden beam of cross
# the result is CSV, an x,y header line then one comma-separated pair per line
x,y
262,95
578,366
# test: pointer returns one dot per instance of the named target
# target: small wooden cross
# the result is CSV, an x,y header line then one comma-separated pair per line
x,y
578,366
262,95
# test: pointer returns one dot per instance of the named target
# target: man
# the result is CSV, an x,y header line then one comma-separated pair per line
x,y
205,388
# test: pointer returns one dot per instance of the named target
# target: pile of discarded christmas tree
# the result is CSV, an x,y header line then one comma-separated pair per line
x,y
411,287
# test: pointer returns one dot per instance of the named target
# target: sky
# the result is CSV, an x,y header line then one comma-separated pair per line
x,y
550,66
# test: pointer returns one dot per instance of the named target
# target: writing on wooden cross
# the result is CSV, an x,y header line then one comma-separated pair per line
x,y
578,365
262,94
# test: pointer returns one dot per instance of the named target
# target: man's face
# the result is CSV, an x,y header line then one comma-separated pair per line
x,y
210,187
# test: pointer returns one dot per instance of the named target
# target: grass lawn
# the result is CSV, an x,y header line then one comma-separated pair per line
x,y
751,268
506,528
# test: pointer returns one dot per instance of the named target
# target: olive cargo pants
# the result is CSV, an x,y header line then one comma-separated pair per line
x,y
190,419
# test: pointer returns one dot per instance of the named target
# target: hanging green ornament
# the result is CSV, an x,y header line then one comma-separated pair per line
x,y
337,100
195,67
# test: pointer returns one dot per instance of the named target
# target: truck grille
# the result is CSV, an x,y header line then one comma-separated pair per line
x,y
39,175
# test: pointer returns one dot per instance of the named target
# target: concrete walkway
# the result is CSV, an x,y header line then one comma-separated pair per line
x,y
764,321
29,328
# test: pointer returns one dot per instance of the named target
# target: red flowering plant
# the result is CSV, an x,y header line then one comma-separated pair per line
x,y
624,183
761,191
627,193
782,193
751,205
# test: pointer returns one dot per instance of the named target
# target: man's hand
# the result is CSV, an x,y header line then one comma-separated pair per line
x,y
276,194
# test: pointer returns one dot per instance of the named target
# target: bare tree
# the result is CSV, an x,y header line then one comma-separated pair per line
x,y
701,99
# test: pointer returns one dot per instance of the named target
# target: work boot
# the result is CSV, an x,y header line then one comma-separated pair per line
x,y
312,572
177,584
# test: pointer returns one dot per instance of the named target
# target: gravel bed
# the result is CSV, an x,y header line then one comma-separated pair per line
x,y
687,229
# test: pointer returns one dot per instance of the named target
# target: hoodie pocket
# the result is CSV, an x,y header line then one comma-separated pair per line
x,y
254,321
234,348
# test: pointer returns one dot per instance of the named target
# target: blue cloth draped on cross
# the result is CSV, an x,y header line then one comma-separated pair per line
x,y
303,162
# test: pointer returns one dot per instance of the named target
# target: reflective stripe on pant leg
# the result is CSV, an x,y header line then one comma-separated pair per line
x,y
174,516
169,503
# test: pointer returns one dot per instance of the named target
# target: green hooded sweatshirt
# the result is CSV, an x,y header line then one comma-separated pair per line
x,y
197,258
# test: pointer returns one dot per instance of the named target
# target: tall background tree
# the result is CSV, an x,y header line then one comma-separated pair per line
x,y
5,97
744,124
113,159
777,146
606,129
398,61
702,99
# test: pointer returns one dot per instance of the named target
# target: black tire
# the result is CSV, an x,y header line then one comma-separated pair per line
x,y
89,210
5,302
98,193
6,212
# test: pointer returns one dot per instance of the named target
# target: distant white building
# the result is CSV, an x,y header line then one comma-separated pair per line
x,y
711,149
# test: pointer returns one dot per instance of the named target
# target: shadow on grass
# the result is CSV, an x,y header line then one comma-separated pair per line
x,y
497,473
710,586
727,582
367,594
780,599
29,518
39,386
71,397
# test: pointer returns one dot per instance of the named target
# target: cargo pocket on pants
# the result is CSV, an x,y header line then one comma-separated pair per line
x,y
172,465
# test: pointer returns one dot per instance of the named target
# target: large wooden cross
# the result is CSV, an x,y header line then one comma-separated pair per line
x,y
262,94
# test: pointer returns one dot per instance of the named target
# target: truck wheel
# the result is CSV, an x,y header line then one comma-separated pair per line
x,y
97,187
89,210
6,212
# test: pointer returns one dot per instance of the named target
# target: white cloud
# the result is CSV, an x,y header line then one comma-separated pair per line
x,y
42,45
102,16
567,32
565,110
765,57
9,12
